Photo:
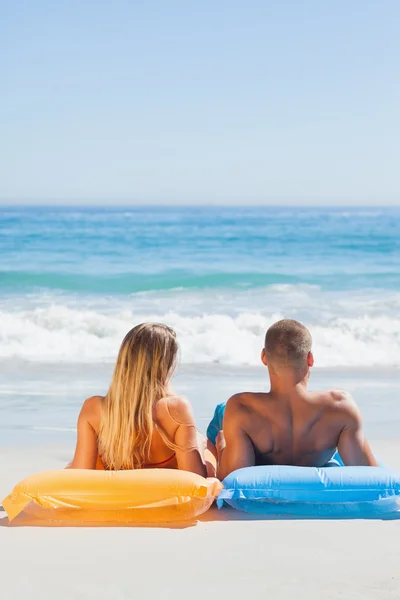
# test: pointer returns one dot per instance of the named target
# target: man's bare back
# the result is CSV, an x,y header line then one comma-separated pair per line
x,y
292,425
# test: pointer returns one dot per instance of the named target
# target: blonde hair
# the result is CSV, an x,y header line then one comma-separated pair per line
x,y
145,364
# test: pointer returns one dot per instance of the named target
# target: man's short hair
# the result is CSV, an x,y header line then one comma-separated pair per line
x,y
287,344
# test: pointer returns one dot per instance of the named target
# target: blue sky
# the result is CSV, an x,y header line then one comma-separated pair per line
x,y
221,102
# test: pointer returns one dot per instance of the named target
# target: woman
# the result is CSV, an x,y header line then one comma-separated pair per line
x,y
139,423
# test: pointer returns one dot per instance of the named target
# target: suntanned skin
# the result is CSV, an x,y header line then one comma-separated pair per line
x,y
291,425
173,415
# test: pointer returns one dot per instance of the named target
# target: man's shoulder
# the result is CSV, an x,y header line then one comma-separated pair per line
x,y
239,411
244,402
340,401
338,398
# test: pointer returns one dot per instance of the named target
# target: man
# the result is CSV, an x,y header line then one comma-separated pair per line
x,y
290,425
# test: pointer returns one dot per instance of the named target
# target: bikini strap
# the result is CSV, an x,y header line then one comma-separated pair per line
x,y
165,401
163,433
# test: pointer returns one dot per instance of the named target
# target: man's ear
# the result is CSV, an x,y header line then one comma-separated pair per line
x,y
264,357
310,359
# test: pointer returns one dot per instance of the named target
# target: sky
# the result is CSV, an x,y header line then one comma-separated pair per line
x,y
211,102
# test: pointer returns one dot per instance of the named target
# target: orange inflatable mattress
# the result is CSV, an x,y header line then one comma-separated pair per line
x,y
140,496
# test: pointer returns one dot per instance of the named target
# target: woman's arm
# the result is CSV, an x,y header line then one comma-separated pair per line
x,y
189,455
86,445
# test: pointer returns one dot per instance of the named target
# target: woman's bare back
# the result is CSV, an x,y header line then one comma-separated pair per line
x,y
174,443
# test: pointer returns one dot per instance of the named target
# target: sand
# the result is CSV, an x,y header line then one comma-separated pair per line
x,y
227,554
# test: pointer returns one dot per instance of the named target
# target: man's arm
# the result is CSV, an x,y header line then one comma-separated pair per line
x,y
238,452
352,445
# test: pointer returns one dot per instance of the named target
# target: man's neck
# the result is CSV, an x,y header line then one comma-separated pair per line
x,y
289,383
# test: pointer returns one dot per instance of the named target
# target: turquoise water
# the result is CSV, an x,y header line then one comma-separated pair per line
x,y
126,251
73,280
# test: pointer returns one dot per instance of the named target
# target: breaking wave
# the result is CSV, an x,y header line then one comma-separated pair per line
x,y
347,331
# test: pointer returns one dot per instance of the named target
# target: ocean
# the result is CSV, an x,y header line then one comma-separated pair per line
x,y
73,281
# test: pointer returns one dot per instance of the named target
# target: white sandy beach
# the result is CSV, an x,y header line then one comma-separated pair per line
x,y
227,554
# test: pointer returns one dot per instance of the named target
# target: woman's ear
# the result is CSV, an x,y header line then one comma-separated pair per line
x,y
310,359
264,357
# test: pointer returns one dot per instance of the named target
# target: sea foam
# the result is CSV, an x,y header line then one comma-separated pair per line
x,y
210,329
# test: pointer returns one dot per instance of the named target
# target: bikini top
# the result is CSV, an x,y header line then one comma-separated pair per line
x,y
164,436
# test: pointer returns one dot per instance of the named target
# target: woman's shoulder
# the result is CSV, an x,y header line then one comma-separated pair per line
x,y
177,408
91,409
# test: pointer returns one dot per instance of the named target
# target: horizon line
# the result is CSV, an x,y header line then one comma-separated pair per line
x,y
123,203
115,206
